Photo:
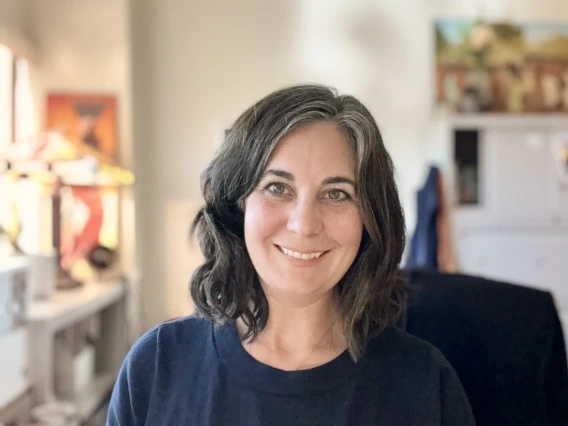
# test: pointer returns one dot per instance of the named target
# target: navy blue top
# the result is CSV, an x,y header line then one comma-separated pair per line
x,y
188,372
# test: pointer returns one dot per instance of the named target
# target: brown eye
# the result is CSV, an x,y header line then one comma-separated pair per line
x,y
276,188
337,195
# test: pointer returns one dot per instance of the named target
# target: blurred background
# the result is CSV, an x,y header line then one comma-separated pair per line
x,y
111,109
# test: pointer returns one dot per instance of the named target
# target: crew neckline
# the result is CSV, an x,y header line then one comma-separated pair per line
x,y
243,367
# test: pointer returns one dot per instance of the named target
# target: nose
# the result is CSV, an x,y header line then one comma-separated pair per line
x,y
305,218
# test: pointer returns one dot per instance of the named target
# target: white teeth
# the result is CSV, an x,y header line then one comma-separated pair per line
x,y
303,256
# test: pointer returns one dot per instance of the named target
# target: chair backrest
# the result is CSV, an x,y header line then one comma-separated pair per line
x,y
504,341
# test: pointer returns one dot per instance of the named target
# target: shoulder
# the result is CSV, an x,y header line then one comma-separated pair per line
x,y
407,363
168,338
395,350
174,335
154,359
404,344
163,349
178,329
403,341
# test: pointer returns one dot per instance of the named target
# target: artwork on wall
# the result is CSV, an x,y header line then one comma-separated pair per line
x,y
501,67
88,212
89,219
89,120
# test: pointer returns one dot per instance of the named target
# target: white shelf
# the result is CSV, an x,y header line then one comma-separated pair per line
x,y
66,307
9,263
90,399
497,120
63,309
12,364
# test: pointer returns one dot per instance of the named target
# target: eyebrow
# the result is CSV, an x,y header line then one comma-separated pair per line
x,y
339,179
290,177
279,173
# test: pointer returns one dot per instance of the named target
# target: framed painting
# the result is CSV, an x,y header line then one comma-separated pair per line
x,y
88,120
501,67
89,220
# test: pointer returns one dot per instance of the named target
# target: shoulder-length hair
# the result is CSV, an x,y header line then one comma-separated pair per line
x,y
226,287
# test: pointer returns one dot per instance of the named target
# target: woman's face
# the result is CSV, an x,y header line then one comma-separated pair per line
x,y
302,223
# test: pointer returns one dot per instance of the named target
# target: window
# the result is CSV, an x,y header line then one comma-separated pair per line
x,y
25,123
6,136
6,96
16,122
17,117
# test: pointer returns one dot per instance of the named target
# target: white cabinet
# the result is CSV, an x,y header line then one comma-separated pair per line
x,y
535,259
563,203
64,309
519,177
13,333
518,230
13,365
520,185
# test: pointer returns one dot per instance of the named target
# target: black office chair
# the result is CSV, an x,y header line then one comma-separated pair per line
x,y
504,341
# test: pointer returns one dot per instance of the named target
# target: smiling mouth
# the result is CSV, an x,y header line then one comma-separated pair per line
x,y
302,256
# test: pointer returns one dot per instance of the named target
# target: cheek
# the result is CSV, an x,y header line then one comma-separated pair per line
x,y
347,229
261,220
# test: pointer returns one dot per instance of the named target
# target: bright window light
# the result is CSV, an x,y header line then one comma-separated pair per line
x,y
6,95
25,118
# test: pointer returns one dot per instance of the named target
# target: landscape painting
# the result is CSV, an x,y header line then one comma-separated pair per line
x,y
501,67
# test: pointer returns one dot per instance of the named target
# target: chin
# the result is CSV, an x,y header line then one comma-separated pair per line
x,y
297,290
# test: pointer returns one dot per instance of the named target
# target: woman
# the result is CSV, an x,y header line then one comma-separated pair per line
x,y
302,236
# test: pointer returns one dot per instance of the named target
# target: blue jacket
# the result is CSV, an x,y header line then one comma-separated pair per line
x,y
424,243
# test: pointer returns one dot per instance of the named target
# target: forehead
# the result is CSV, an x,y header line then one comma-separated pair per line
x,y
319,147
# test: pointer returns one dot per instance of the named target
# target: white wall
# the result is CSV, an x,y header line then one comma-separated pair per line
x,y
83,46
14,27
197,65
13,15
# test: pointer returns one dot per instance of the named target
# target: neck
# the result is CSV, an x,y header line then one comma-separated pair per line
x,y
299,337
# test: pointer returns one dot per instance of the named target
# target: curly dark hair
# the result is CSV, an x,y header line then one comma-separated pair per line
x,y
226,287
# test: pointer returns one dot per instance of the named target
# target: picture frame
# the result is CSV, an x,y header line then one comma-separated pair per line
x,y
500,67
88,120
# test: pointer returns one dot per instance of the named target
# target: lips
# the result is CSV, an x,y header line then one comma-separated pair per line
x,y
301,255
